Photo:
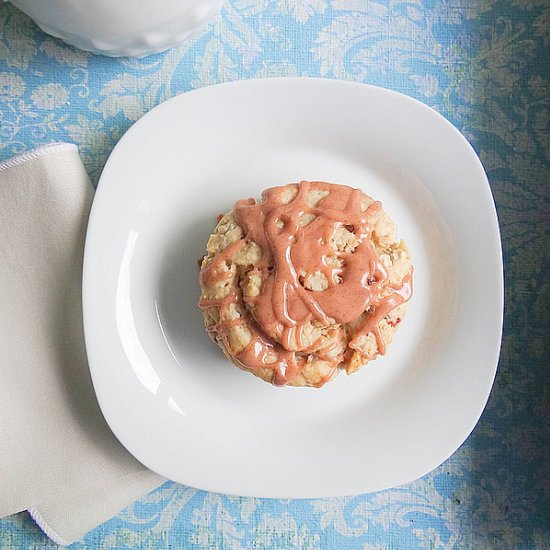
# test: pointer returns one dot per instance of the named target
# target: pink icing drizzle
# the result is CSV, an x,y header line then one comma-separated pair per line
x,y
291,253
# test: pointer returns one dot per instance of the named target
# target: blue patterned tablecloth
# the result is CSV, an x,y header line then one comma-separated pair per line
x,y
485,65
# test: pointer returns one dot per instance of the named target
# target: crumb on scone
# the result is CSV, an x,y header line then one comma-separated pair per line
x,y
307,282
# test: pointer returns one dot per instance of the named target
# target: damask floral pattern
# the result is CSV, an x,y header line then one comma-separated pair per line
x,y
485,65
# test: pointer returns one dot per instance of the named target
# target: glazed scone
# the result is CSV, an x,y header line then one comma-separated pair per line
x,y
307,282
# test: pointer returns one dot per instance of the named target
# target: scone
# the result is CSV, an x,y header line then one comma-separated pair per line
x,y
305,283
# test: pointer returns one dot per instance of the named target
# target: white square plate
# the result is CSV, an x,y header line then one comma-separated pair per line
x,y
166,390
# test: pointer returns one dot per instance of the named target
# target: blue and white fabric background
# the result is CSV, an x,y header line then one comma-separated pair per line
x,y
485,65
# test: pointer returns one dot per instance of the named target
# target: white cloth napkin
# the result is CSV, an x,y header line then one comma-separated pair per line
x,y
58,458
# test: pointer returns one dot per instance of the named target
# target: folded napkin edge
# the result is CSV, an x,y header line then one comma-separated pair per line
x,y
46,529
54,147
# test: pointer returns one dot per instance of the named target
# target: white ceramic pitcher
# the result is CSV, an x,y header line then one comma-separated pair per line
x,y
121,27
